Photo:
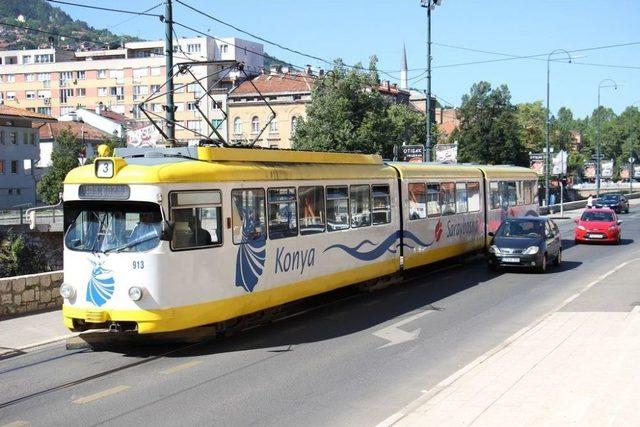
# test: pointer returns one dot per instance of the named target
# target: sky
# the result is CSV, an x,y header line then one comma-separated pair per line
x,y
356,29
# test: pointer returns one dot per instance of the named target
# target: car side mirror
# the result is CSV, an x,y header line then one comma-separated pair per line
x,y
491,234
619,221
167,230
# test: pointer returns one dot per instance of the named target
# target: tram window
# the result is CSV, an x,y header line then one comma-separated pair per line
x,y
417,201
512,196
248,215
311,210
461,197
381,204
196,226
527,192
433,200
283,221
448,198
495,195
337,208
473,196
519,191
360,205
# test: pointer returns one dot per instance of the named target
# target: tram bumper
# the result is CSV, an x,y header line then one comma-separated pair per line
x,y
140,321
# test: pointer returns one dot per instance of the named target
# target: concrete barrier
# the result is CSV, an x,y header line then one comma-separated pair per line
x,y
30,293
545,210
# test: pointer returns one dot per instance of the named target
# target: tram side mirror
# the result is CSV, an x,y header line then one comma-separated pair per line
x,y
167,230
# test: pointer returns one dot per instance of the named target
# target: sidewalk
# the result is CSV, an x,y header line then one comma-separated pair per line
x,y
578,366
20,333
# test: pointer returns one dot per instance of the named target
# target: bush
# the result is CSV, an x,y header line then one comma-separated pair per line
x,y
17,257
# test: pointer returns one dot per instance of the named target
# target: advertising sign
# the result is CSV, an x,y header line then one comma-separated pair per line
x,y
536,162
559,163
147,136
607,169
412,153
447,153
590,169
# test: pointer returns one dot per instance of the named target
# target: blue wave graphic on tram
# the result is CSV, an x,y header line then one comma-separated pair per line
x,y
101,285
251,252
387,245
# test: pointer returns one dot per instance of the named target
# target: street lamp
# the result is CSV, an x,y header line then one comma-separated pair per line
x,y
598,155
430,5
547,157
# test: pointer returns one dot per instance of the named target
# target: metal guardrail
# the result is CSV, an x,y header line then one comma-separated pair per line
x,y
51,217
546,210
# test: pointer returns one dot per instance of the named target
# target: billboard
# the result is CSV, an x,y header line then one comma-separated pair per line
x,y
447,153
590,169
147,136
607,169
559,163
412,153
536,162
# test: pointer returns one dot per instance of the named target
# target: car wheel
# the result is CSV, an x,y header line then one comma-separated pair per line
x,y
542,267
558,259
619,239
492,267
576,242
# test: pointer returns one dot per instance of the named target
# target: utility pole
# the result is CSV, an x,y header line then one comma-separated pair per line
x,y
429,4
170,107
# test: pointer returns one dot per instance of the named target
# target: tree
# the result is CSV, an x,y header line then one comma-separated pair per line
x,y
489,131
531,118
348,113
64,157
18,258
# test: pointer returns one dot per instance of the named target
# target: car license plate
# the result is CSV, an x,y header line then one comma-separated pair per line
x,y
511,260
596,236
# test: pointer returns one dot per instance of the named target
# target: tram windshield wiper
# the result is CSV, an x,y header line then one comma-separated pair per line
x,y
131,244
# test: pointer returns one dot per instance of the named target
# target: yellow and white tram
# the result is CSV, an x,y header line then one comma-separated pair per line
x,y
167,239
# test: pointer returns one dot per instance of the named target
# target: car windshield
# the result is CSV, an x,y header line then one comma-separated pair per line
x,y
521,228
114,227
611,198
597,216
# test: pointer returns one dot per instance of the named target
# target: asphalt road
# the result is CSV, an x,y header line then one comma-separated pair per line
x,y
352,362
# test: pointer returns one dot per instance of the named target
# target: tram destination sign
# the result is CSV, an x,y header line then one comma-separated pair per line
x,y
104,192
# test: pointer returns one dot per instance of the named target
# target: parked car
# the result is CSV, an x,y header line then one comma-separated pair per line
x,y
530,242
598,225
616,201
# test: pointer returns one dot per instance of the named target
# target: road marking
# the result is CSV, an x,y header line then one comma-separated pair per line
x,y
19,423
182,367
442,385
101,394
395,336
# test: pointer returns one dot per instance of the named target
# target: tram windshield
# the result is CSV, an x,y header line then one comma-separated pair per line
x,y
113,227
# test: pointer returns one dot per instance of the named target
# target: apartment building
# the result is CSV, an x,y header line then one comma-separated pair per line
x,y
19,152
56,82
287,93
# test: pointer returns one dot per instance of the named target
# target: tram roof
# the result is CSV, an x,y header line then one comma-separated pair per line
x,y
435,170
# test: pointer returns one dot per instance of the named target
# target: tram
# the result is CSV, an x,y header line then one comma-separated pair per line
x,y
167,239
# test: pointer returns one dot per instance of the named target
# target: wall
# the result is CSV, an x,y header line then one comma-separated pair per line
x,y
47,243
26,294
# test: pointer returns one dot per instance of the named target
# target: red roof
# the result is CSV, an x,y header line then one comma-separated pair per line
x,y
116,117
275,84
50,131
13,112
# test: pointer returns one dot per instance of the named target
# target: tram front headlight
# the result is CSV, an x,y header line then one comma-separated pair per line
x,y
135,293
67,291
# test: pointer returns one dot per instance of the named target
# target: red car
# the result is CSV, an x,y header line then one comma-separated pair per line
x,y
598,225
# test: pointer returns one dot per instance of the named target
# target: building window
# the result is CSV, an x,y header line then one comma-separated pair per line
x,y
118,92
26,59
224,48
44,94
191,106
156,71
27,165
102,74
140,91
237,126
194,125
30,94
14,166
294,124
273,125
64,76
82,75
154,88
13,137
140,72
65,94
102,91
31,77
116,74
11,96
193,48
11,78
81,92
2,166
41,59
255,124
44,110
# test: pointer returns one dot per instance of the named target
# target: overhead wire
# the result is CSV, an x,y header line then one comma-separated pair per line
x,y
108,9
133,17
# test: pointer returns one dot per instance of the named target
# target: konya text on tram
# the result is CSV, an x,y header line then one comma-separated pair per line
x,y
167,239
